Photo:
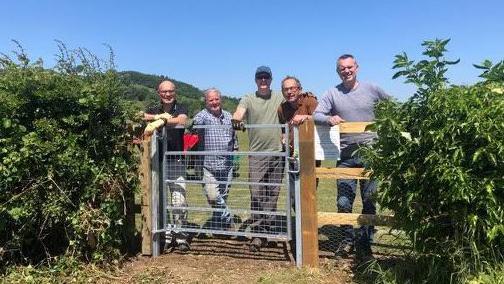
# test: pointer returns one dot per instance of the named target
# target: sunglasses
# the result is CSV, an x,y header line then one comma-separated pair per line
x,y
263,77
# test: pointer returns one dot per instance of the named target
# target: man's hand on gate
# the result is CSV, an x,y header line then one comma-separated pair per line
x,y
164,116
334,120
238,124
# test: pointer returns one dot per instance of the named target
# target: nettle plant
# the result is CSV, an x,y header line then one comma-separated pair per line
x,y
445,184
66,167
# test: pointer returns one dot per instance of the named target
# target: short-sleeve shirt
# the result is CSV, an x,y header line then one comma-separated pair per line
x,y
221,138
262,110
174,136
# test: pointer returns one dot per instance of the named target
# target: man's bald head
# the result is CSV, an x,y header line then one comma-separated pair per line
x,y
167,92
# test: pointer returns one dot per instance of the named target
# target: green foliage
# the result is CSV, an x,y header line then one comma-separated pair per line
x,y
66,170
445,184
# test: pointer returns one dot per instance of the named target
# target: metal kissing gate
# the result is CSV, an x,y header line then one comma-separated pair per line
x,y
246,194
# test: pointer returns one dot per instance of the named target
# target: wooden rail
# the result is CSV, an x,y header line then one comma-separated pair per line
x,y
342,173
331,218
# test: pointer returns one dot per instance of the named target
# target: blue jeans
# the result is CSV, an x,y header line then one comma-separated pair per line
x,y
217,194
346,196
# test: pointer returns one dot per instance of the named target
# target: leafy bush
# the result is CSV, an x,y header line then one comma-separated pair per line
x,y
445,184
67,173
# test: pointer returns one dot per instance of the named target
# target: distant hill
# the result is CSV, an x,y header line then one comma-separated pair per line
x,y
141,88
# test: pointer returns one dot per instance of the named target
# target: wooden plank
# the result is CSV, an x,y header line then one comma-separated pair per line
x,y
353,127
342,173
146,185
332,218
309,225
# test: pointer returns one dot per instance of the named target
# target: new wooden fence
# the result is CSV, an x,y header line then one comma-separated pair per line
x,y
311,219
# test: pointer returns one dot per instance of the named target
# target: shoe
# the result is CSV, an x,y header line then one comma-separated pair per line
x,y
256,244
364,253
183,247
345,249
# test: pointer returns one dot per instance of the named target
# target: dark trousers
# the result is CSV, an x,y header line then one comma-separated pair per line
x,y
264,197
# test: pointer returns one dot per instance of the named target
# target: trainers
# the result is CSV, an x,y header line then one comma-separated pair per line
x,y
345,249
183,247
256,244
364,252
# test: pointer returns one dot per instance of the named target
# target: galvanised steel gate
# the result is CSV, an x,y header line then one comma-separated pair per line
x,y
193,196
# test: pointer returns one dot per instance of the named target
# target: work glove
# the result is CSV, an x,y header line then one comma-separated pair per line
x,y
164,116
238,124
151,127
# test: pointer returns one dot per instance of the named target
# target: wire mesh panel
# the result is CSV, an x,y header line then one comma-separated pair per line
x,y
215,189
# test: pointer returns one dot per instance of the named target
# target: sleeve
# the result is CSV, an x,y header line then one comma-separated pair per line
x,y
182,109
382,95
198,118
312,105
244,103
152,110
323,110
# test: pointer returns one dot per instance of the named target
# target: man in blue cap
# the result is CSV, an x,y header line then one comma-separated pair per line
x,y
261,108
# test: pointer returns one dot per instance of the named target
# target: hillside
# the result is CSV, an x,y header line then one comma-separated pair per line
x,y
141,88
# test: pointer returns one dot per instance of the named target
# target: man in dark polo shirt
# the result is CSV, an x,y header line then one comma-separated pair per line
x,y
170,113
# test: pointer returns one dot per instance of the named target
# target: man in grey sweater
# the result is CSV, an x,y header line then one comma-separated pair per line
x,y
351,101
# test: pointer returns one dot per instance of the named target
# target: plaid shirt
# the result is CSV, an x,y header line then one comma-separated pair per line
x,y
217,139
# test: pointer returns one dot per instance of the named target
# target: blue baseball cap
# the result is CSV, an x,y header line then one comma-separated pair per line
x,y
263,70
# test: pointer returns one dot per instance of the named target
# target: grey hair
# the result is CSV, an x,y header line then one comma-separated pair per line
x,y
210,90
345,56
288,77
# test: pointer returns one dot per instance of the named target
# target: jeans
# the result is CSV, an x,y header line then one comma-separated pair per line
x,y
217,193
346,196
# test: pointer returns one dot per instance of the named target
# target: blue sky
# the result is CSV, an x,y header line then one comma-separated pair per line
x,y
220,43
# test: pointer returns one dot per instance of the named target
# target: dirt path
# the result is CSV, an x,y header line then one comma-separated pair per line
x,y
230,261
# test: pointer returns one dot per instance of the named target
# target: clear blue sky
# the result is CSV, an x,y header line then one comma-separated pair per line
x,y
220,43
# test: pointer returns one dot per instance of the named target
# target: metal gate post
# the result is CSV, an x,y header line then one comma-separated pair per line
x,y
297,204
156,240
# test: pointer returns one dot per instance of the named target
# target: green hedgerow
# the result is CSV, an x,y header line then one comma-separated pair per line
x,y
67,171
445,182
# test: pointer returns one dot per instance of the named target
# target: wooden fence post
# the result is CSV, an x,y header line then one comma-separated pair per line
x,y
309,224
146,184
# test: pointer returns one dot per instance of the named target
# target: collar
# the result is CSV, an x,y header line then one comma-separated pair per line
x,y
173,107
268,95
221,115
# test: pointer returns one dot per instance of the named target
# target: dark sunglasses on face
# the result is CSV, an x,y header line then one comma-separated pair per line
x,y
263,77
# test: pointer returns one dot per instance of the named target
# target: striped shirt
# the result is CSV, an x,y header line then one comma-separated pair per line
x,y
219,138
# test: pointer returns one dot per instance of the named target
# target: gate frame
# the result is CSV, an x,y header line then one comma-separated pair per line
x,y
154,190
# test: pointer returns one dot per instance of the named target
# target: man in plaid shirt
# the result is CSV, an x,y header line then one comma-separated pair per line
x,y
221,137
